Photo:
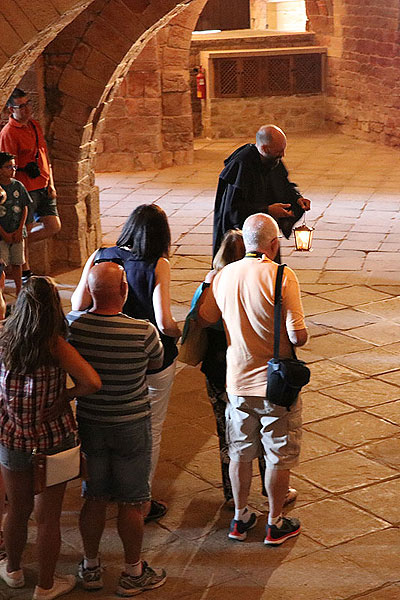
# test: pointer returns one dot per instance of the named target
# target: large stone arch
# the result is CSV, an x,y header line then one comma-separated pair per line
x,y
155,99
25,34
84,66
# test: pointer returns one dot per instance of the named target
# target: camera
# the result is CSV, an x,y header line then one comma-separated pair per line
x,y
31,169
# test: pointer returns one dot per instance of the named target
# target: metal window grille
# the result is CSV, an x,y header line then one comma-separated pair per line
x,y
287,74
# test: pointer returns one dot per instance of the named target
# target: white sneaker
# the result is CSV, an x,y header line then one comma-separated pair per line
x,y
62,585
15,579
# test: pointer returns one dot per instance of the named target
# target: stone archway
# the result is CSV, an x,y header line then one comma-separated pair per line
x,y
149,124
25,34
89,46
84,67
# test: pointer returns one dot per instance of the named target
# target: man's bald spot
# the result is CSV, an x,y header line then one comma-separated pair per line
x,y
258,231
105,277
268,134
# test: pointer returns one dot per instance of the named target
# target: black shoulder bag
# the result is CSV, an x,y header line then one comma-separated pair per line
x,y
285,376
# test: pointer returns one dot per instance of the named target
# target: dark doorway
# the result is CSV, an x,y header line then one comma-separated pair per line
x,y
220,14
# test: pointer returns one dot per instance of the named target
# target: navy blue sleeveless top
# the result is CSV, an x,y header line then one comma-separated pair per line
x,y
139,304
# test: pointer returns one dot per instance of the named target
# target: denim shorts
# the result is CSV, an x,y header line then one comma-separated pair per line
x,y
42,205
118,461
17,460
255,426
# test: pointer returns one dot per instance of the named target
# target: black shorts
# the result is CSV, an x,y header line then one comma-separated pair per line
x,y
43,205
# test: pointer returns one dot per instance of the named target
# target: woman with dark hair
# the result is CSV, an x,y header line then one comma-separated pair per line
x,y
35,412
143,249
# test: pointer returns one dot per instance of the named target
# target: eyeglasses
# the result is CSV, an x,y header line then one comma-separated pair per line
x,y
24,105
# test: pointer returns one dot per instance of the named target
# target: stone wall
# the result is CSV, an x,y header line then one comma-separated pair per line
x,y
202,123
145,129
84,67
131,137
287,15
149,123
363,92
239,117
26,31
89,48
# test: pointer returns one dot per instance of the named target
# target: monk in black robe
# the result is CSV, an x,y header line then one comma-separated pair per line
x,y
255,180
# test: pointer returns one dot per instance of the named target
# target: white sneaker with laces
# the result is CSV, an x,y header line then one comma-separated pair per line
x,y
62,584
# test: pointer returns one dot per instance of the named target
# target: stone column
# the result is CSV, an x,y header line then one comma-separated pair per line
x,y
258,14
287,15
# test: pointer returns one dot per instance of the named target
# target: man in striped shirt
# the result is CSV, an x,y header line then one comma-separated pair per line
x,y
114,426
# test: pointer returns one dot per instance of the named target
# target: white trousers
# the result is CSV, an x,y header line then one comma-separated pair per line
x,y
159,385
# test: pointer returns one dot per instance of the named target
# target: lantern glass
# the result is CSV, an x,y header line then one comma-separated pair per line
x,y
303,237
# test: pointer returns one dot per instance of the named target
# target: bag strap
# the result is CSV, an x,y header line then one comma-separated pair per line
x,y
277,309
277,313
36,428
37,141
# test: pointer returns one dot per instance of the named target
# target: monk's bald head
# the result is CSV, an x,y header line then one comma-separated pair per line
x,y
268,134
259,231
271,142
105,279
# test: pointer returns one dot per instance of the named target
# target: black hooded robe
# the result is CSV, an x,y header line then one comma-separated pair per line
x,y
246,188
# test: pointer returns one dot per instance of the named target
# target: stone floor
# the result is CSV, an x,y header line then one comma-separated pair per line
x,y
348,479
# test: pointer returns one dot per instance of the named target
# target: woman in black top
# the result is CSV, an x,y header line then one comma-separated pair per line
x,y
143,249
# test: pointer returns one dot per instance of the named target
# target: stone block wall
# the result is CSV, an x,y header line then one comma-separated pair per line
x,y
131,137
239,117
149,123
287,15
363,91
255,41
258,14
84,68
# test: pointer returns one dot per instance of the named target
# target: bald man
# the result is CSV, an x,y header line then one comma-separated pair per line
x,y
243,295
115,428
255,180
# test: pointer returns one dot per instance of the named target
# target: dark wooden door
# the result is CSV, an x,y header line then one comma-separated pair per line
x,y
224,14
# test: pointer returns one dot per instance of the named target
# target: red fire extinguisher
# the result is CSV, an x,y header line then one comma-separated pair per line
x,y
201,84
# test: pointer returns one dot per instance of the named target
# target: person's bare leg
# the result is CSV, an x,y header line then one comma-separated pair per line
x,y
16,275
19,489
44,228
240,474
25,266
92,521
130,529
277,485
47,514
2,511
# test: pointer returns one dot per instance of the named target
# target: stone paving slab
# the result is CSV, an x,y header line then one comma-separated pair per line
x,y
349,473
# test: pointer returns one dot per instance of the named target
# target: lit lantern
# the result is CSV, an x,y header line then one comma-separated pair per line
x,y
303,237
